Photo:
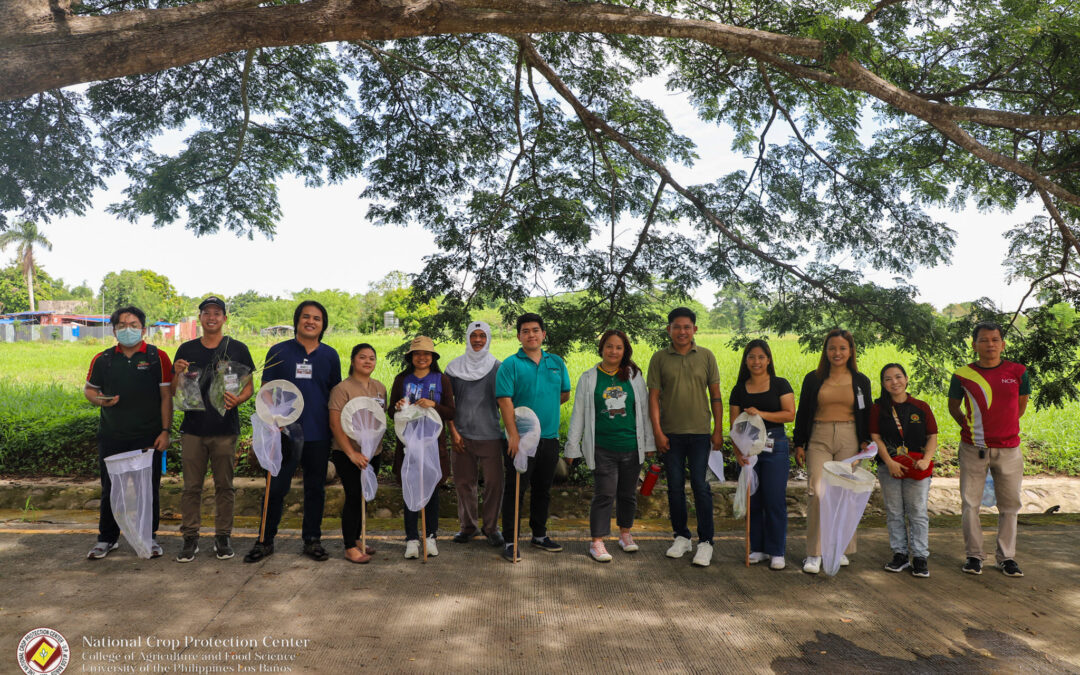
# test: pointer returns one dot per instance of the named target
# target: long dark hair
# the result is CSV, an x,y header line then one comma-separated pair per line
x,y
885,400
823,364
627,367
409,367
356,350
744,371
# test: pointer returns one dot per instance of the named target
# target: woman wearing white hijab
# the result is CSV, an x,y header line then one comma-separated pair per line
x,y
475,435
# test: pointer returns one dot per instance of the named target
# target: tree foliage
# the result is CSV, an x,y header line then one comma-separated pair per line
x,y
517,133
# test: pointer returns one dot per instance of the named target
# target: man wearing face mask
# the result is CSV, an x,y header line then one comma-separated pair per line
x,y
130,383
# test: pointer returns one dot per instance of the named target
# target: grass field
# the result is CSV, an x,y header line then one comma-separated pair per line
x,y
34,374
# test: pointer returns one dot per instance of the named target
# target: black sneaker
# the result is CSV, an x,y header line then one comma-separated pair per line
x,y
508,553
547,544
314,550
973,566
496,539
919,568
259,551
222,547
188,550
463,538
1010,569
899,563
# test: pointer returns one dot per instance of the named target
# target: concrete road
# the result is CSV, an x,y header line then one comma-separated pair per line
x,y
470,611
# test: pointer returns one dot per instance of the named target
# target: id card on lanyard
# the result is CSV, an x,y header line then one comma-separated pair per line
x,y
303,370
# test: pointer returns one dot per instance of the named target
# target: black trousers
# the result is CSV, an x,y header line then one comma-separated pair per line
x,y
537,478
108,529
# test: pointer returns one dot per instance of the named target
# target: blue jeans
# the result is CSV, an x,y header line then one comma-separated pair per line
x,y
315,457
768,506
906,497
692,449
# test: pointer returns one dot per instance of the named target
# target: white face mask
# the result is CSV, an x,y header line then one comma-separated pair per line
x,y
129,337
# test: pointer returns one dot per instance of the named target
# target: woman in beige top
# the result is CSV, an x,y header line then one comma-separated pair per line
x,y
832,423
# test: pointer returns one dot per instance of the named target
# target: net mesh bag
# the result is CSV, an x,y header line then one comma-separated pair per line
x,y
278,405
528,426
748,484
748,433
419,429
132,497
364,421
846,491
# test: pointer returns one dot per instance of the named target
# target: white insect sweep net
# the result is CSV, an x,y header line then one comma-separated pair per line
x,y
419,429
528,426
364,421
748,484
748,433
845,493
132,497
278,404
716,464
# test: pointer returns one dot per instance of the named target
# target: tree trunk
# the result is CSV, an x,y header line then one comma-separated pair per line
x,y
30,287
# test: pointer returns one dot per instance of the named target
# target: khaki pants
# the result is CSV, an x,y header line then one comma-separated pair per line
x,y
197,451
487,456
1007,467
829,441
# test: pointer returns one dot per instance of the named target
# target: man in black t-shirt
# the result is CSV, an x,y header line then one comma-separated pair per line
x,y
206,435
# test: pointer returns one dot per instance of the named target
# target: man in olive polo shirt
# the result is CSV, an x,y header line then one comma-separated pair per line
x,y
130,383
684,397
535,379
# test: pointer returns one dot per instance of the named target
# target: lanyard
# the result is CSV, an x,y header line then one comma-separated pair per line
x,y
902,448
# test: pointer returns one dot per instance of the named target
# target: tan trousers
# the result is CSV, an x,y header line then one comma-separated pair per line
x,y
1007,467
829,441
486,456
220,453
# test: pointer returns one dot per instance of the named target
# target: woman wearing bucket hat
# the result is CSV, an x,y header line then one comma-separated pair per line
x,y
610,427
422,383
905,431
832,423
758,391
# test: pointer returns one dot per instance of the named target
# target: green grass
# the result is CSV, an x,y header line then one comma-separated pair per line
x,y
36,378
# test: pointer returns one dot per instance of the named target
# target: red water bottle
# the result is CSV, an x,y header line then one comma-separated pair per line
x,y
650,480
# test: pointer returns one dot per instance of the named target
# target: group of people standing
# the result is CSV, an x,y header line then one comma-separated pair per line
x,y
620,417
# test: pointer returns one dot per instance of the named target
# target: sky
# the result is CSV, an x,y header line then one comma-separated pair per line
x,y
324,241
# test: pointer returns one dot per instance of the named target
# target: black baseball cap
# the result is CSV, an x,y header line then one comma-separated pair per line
x,y
213,300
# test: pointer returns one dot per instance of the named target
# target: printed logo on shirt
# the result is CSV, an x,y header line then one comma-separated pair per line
x,y
915,418
1009,380
142,365
615,401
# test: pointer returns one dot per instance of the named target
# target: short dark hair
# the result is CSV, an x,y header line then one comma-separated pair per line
x,y
530,317
130,309
681,311
987,325
356,350
300,309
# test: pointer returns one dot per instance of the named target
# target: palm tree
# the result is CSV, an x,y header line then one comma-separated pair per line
x,y
25,235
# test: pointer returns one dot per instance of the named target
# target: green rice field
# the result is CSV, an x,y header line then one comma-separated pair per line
x,y
36,378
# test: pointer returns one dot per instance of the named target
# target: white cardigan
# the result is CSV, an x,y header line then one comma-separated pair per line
x,y
580,441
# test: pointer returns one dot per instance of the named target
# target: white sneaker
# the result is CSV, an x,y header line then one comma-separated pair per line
x,y
155,550
812,565
432,549
627,543
412,549
777,563
704,554
844,562
680,547
599,552
757,557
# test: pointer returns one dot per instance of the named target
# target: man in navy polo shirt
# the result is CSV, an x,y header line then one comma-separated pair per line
x,y
531,378
315,369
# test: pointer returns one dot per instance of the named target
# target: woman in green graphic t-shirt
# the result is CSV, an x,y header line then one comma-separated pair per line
x,y
610,428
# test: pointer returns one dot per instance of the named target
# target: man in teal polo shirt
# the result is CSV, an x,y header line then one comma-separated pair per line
x,y
535,379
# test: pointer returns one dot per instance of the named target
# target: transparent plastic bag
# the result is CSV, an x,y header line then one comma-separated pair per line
x,y
989,496
132,497
188,396
748,484
231,377
748,433
528,426
419,429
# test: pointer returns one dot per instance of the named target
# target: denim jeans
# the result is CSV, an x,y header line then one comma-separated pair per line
x,y
314,460
768,506
692,449
906,497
